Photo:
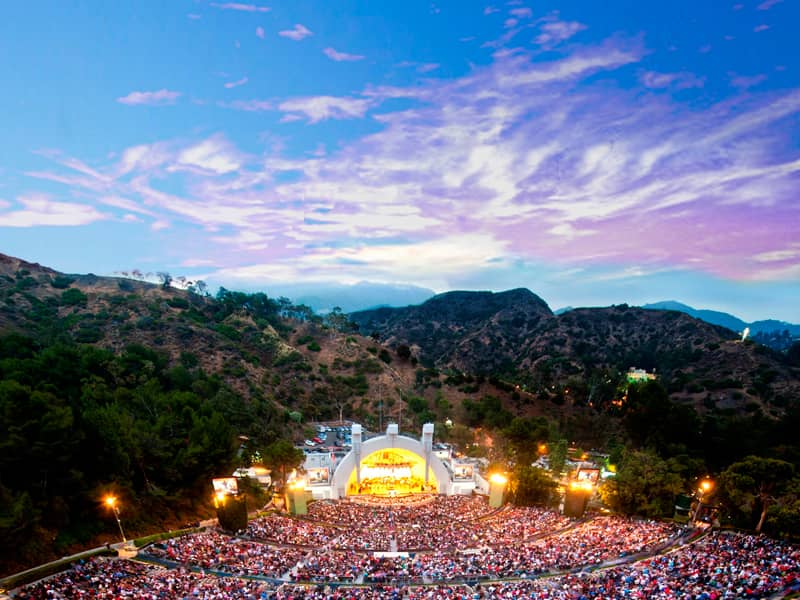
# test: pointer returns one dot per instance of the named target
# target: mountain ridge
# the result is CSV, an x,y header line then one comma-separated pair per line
x,y
770,332
702,364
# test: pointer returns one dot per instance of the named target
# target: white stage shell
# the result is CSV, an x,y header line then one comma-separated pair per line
x,y
345,468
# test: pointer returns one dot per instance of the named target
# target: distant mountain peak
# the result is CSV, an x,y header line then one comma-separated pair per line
x,y
767,327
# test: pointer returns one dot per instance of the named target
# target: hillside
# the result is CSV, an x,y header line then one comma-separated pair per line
x,y
247,340
111,384
514,335
147,390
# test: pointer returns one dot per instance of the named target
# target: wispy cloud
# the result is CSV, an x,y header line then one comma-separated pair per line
x,y
297,33
161,97
159,225
239,6
214,154
779,255
249,105
341,56
320,108
427,67
744,82
39,210
419,67
680,80
237,83
767,4
554,32
260,33
521,13
490,10
760,28
467,167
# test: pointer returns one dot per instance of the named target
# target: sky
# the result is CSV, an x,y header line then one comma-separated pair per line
x,y
596,153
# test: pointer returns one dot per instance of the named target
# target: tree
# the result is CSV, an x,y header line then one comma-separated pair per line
x,y
755,483
532,485
338,321
524,435
165,279
645,484
281,457
558,457
461,436
784,516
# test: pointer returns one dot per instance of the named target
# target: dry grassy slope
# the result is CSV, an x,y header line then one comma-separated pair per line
x,y
390,384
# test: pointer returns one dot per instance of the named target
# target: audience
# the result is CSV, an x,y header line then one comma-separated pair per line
x,y
436,548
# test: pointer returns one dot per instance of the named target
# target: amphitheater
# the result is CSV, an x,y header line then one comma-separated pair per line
x,y
435,546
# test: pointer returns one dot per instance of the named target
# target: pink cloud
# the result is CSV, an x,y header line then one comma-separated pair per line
x,y
241,7
237,83
248,105
297,33
744,82
680,80
341,56
506,148
260,32
521,13
161,97
760,28
767,4
555,32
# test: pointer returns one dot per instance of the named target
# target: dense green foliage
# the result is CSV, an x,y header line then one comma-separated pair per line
x,y
531,486
77,421
660,449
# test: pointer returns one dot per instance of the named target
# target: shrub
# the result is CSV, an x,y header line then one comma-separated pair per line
x,y
178,303
73,297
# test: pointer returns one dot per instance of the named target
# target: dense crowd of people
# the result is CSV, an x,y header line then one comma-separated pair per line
x,y
433,510
718,567
282,529
466,550
225,554
111,579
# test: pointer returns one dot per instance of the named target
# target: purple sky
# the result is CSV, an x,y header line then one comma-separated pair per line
x,y
632,152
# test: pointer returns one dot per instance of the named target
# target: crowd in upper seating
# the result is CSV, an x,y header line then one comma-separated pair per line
x,y
282,529
464,557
